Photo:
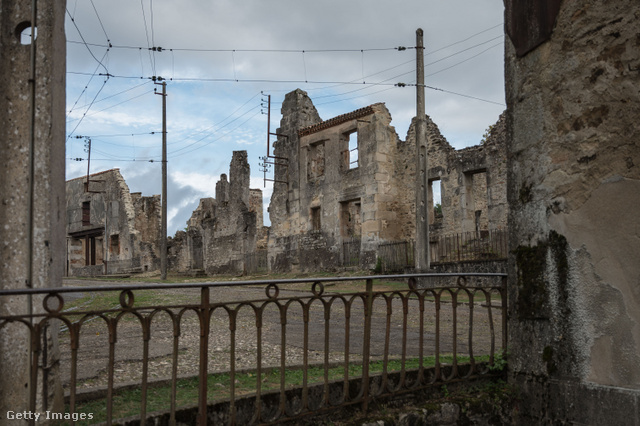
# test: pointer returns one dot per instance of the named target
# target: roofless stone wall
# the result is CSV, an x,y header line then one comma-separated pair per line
x,y
222,230
345,185
109,229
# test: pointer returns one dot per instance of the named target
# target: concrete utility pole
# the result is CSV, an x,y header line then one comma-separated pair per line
x,y
422,178
163,231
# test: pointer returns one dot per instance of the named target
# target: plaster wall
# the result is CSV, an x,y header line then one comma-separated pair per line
x,y
17,125
574,188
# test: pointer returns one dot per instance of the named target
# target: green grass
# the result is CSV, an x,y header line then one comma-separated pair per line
x,y
127,402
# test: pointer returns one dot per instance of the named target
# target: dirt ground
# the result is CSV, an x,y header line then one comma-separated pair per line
x,y
93,350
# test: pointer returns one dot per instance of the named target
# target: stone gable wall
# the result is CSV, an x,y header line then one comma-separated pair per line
x,y
312,210
224,229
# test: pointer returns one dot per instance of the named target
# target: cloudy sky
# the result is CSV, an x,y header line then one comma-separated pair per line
x,y
222,57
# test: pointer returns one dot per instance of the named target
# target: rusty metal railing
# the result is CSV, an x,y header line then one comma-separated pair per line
x,y
396,256
351,252
256,262
199,328
484,246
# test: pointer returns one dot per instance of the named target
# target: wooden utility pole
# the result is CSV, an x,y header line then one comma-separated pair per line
x,y
422,178
163,231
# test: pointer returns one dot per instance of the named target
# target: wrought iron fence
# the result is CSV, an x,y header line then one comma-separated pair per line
x,y
351,252
395,257
470,246
225,333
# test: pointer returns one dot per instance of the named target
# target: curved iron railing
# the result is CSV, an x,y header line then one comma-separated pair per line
x,y
413,317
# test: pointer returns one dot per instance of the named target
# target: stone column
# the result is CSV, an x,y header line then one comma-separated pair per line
x,y
45,227
572,78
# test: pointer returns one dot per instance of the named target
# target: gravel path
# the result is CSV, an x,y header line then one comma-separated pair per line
x,y
93,353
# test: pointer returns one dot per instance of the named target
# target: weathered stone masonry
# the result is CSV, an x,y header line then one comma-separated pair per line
x,y
109,229
25,118
350,181
572,74
224,229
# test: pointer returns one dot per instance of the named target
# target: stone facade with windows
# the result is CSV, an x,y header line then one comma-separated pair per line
x,y
350,181
109,229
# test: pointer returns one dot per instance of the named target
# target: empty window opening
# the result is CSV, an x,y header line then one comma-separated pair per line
x,y
315,161
86,213
476,201
114,245
23,32
89,251
435,201
350,219
350,152
315,219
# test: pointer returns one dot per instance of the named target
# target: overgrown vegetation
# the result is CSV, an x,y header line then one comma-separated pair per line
x,y
127,402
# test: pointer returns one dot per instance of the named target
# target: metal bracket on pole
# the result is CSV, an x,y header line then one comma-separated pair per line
x,y
277,161
163,232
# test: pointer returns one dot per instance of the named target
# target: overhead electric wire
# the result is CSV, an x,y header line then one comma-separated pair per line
x,y
116,160
146,31
112,106
203,138
217,123
460,94
85,42
356,97
152,48
464,50
88,108
426,65
354,81
119,93
119,135
178,49
153,159
413,61
100,21
463,61
217,139
102,141
85,88
466,39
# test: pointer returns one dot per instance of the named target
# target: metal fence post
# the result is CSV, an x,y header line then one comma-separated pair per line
x,y
204,355
367,345
503,294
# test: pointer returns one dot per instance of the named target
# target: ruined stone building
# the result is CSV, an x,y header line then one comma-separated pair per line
x,y
345,186
109,229
223,230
